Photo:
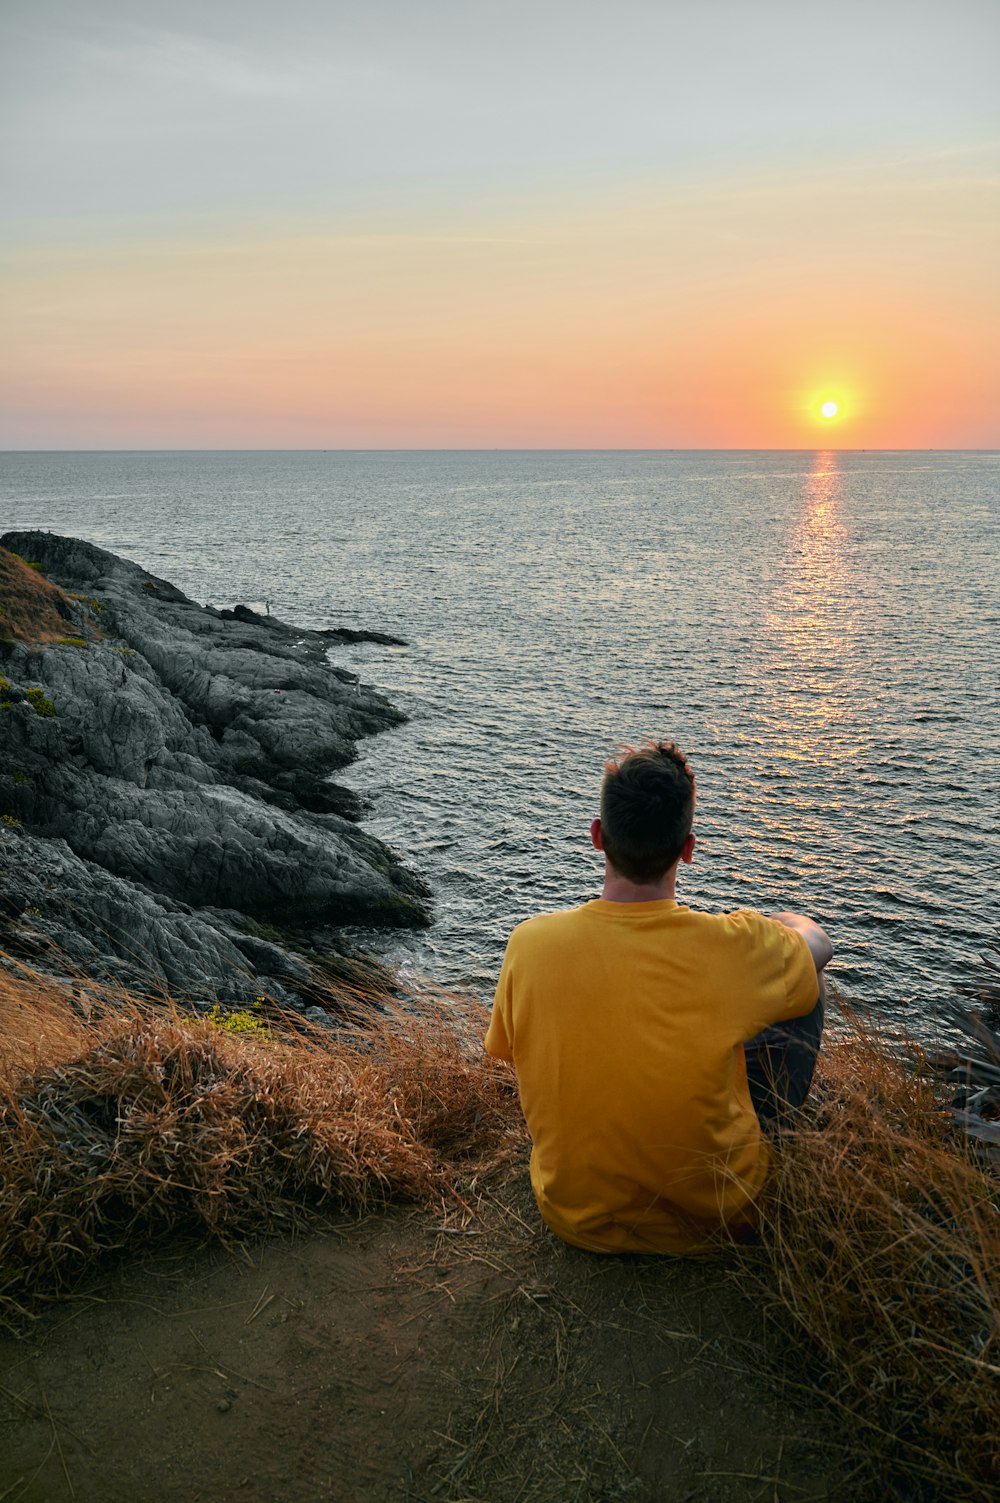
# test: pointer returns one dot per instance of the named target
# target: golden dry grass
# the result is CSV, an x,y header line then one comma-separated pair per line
x,y
143,1122
881,1244
38,1027
34,609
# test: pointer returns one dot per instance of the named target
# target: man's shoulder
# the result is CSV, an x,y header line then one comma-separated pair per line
x,y
557,918
542,926
742,921
742,926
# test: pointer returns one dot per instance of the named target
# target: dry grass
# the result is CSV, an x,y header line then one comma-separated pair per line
x,y
34,609
38,1027
881,1236
141,1123
880,1229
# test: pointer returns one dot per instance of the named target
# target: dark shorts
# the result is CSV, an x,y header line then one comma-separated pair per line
x,y
780,1065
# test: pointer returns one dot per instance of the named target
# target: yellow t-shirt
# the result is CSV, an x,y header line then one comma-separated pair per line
x,y
625,1023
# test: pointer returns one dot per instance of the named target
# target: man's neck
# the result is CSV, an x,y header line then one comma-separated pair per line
x,y
618,889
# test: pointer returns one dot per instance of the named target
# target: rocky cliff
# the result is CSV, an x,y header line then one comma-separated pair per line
x,y
166,814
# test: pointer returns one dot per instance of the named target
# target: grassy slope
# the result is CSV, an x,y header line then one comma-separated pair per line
x,y
35,611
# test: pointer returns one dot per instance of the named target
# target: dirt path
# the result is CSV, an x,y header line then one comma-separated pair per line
x,y
410,1358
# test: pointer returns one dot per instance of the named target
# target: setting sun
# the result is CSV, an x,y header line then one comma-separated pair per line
x,y
829,410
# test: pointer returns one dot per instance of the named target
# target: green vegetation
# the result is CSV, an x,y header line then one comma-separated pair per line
x,y
39,703
266,931
21,777
238,1020
126,652
96,606
10,696
71,642
11,820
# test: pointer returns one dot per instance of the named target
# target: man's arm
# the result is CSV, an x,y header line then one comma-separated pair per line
x,y
498,1037
816,938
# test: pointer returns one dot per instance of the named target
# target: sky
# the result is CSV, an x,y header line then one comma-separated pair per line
x,y
556,224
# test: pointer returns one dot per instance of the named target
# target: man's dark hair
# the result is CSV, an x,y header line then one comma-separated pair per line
x,y
647,805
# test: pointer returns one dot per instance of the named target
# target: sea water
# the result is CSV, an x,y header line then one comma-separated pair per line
x,y
817,630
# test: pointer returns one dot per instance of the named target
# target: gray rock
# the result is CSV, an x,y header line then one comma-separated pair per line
x,y
172,772
56,909
320,1017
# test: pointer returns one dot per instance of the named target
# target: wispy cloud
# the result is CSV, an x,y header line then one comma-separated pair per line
x,y
172,57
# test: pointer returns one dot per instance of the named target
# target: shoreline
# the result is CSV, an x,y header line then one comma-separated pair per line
x,y
166,768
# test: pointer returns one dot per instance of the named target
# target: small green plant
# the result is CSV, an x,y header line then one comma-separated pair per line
x,y
96,606
32,911
40,703
239,1020
126,652
31,563
266,931
10,820
22,777
71,642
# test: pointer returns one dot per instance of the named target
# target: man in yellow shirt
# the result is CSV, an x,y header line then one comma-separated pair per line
x,y
650,1041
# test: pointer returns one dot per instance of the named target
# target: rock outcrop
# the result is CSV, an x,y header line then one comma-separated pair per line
x,y
166,814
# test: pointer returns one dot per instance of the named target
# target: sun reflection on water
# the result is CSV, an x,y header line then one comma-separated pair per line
x,y
800,772
811,672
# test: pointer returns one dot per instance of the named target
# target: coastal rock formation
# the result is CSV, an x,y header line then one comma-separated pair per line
x,y
164,785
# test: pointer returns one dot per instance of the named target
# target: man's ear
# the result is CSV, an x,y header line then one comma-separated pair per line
x,y
687,849
596,835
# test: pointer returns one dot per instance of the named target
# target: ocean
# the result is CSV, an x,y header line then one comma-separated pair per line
x,y
817,630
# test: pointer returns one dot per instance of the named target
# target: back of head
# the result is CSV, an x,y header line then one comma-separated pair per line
x,y
647,806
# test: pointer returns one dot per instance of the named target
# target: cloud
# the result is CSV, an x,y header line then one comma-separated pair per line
x,y
173,58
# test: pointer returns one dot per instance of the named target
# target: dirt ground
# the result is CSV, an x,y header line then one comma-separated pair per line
x,y
415,1358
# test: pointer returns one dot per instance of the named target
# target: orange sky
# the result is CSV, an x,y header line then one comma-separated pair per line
x,y
684,304
710,316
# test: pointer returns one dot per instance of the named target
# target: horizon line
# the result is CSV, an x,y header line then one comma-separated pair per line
x,y
499,449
